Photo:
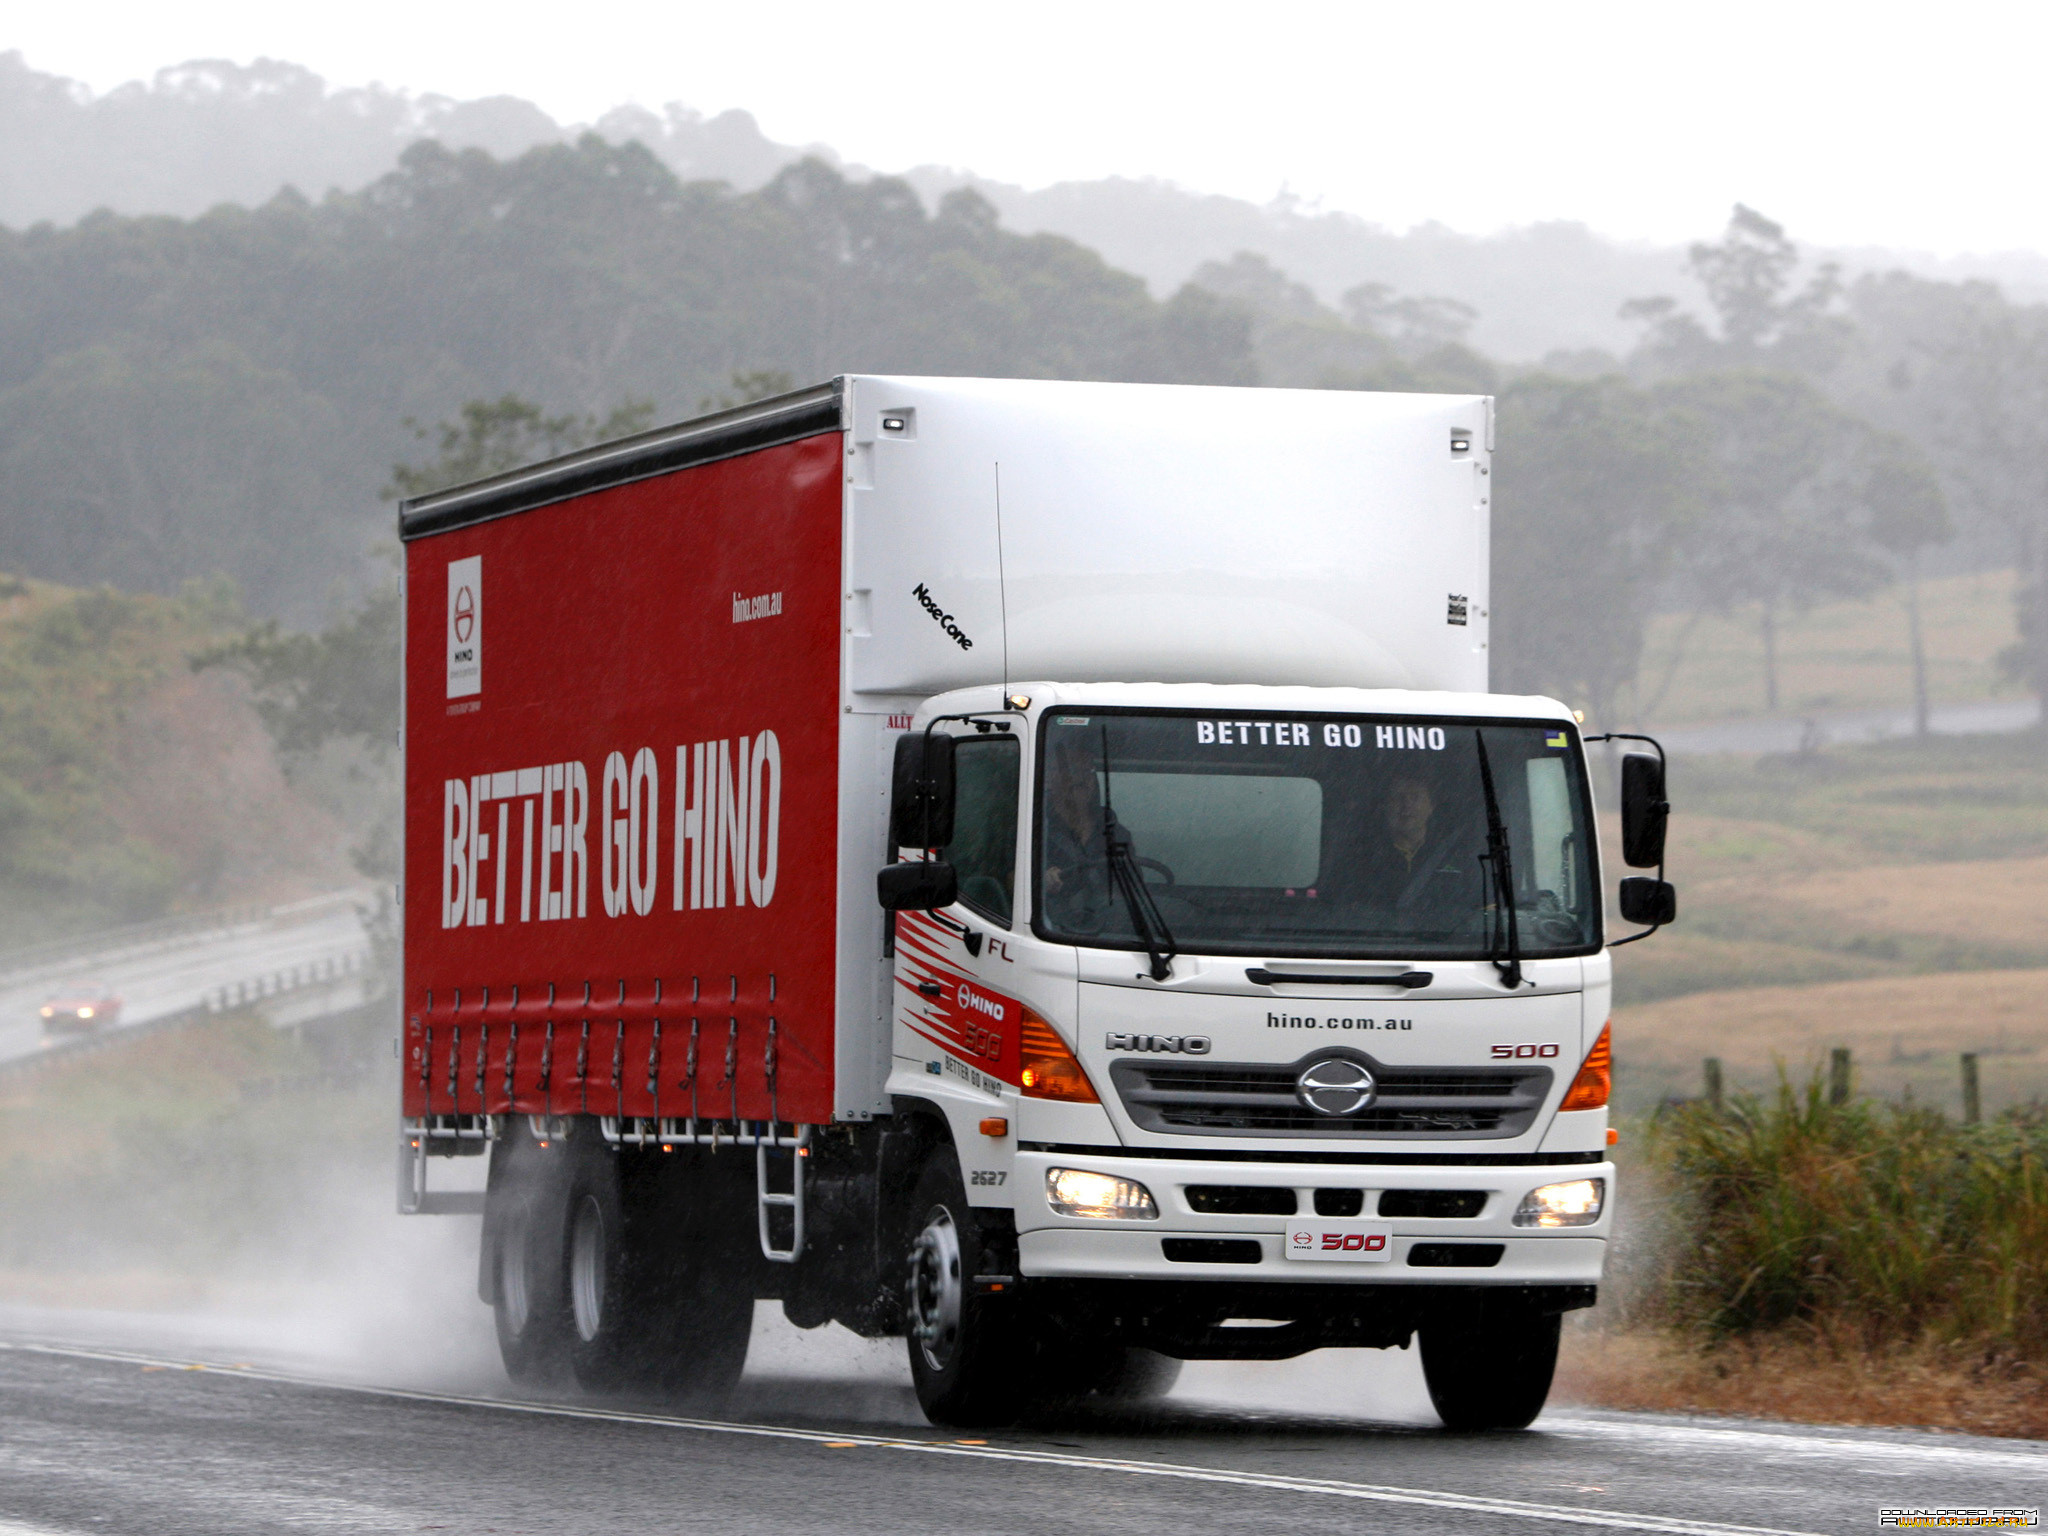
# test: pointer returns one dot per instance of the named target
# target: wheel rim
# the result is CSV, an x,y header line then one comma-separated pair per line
x,y
935,1289
586,1269
512,1276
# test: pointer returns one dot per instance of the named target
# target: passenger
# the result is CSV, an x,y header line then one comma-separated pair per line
x,y
1404,865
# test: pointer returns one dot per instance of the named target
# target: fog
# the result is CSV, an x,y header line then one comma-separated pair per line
x,y
1766,475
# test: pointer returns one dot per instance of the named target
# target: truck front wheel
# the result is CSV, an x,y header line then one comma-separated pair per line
x,y
1488,1363
963,1358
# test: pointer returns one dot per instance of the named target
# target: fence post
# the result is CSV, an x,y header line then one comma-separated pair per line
x,y
1838,1075
1712,1068
1973,1104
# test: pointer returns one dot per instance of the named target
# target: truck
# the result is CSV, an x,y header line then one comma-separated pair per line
x,y
1028,867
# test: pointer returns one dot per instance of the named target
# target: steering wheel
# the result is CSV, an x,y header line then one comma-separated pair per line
x,y
1144,863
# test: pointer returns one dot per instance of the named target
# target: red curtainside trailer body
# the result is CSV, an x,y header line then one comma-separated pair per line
x,y
628,906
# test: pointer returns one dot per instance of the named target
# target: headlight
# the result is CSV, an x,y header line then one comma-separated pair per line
x,y
49,1012
85,1013
1576,1204
1076,1192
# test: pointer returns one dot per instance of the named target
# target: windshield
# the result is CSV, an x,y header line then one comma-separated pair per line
x,y
1354,836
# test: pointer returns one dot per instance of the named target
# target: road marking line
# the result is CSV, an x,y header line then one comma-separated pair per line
x,y
1426,1498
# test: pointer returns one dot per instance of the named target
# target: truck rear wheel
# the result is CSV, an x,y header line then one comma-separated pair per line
x,y
528,1284
652,1308
694,1286
599,1266
1488,1363
964,1357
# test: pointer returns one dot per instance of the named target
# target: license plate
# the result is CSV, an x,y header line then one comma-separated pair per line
x,y
1349,1243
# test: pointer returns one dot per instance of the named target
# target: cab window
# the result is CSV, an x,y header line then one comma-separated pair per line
x,y
983,852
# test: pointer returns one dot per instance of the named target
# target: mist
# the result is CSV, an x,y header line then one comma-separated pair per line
x,y
1771,497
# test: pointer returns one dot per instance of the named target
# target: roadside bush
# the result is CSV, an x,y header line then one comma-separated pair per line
x,y
1879,1225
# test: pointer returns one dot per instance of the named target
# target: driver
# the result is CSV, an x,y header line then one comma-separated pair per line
x,y
1077,889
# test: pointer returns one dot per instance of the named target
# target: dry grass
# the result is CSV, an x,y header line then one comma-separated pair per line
x,y
1906,1033
1804,1380
1840,656
1998,901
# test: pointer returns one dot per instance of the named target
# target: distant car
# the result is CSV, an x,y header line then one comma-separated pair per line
x,y
81,1005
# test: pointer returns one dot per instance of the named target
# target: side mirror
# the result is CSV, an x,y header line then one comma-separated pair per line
x,y
1653,903
921,792
918,886
1644,811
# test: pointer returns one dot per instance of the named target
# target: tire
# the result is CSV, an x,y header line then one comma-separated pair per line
x,y
695,1284
659,1302
599,1265
523,1258
964,1357
1488,1363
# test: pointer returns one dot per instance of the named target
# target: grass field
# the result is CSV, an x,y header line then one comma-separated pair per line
x,y
1890,898
1895,859
1906,1033
1835,657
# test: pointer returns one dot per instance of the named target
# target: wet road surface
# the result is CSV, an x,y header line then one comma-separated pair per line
x,y
100,1438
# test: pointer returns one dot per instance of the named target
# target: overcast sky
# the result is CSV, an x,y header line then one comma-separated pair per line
x,y
1908,126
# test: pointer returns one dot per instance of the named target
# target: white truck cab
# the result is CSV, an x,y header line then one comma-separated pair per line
x,y
1289,987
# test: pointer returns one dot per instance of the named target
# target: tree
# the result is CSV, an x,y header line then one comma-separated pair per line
x,y
1595,484
1763,322
146,465
1907,513
1786,521
489,437
184,396
1962,373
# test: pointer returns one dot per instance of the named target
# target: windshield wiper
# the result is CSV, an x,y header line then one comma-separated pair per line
x,y
1130,882
1501,869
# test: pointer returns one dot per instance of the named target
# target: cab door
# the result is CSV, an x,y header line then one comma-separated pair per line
x,y
956,1008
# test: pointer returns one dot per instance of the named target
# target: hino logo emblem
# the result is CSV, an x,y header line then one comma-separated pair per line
x,y
1334,1086
1193,1045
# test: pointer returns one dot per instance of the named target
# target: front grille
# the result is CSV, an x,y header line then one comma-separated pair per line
x,y
1240,1200
1222,1098
1339,1202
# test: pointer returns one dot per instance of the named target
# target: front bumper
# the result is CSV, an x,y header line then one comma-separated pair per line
x,y
1499,1253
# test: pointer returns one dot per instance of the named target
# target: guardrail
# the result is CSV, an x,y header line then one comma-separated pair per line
x,y
255,989
293,995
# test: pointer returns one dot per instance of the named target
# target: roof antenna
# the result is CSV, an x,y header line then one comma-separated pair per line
x,y
1003,587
